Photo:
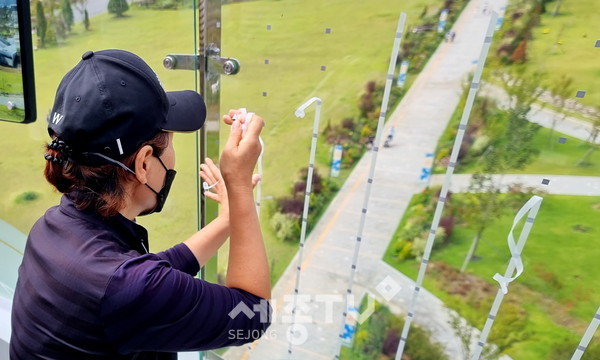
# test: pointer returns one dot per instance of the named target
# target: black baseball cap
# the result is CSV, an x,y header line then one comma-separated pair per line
x,y
111,102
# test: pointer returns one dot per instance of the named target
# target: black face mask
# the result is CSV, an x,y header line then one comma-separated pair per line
x,y
161,196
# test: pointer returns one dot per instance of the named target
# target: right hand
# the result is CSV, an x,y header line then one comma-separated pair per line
x,y
241,153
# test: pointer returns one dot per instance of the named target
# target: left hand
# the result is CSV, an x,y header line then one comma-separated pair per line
x,y
210,173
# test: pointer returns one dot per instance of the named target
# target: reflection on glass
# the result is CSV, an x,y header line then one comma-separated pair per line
x,y
12,102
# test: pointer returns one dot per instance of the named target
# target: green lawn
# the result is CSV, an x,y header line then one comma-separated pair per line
x,y
559,287
296,46
11,81
553,158
561,159
576,27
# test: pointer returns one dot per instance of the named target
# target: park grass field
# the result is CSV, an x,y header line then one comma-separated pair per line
x,y
565,44
10,80
356,51
558,288
561,159
553,157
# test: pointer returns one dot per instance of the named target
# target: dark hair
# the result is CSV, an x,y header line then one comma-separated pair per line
x,y
97,187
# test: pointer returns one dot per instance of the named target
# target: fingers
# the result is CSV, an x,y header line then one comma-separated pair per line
x,y
255,179
230,117
207,174
235,135
255,126
235,114
212,196
227,119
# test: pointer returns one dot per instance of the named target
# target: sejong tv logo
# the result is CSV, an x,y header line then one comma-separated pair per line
x,y
263,309
57,117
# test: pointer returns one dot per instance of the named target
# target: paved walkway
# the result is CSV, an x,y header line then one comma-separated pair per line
x,y
419,120
543,116
555,184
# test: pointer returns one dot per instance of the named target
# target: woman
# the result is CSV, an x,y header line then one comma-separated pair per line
x,y
88,288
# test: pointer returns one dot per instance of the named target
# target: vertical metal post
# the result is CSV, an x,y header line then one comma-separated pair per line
x,y
209,29
587,337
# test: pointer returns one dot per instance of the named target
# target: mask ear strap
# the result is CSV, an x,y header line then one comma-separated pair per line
x,y
106,159
154,191
161,162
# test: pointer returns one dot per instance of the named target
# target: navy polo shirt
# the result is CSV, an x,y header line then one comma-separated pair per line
x,y
88,289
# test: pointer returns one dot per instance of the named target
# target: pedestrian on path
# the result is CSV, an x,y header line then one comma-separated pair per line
x,y
88,287
390,137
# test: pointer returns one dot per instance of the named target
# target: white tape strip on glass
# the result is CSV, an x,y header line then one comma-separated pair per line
x,y
530,209
311,165
587,337
375,150
444,192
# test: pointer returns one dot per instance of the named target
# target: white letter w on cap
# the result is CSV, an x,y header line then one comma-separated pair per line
x,y
56,118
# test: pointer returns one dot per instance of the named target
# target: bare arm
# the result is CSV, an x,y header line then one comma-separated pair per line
x,y
248,266
205,243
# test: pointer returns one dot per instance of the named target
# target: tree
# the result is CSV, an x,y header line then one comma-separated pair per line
x,y
592,139
81,6
481,206
523,88
7,28
67,13
42,25
513,146
86,20
557,8
561,91
117,7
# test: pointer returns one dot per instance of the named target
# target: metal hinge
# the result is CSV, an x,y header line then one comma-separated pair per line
x,y
212,62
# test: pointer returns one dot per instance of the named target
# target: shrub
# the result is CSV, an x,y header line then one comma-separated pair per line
x,y
299,187
348,123
26,197
317,181
447,223
418,245
285,226
479,145
117,7
287,220
378,337
292,206
366,104
406,251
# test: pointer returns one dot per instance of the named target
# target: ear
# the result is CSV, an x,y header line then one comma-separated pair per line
x,y
141,163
